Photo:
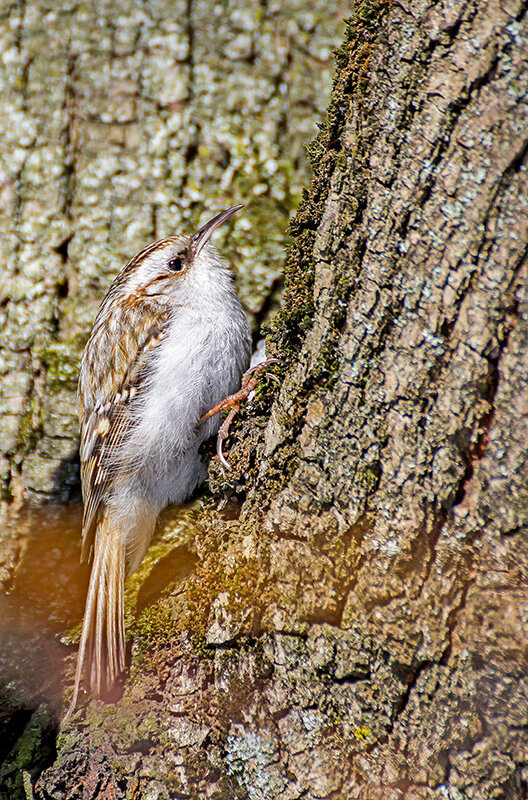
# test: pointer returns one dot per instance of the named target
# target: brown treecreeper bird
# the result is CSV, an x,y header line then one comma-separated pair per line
x,y
169,344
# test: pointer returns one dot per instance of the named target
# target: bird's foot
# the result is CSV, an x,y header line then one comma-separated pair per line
x,y
249,381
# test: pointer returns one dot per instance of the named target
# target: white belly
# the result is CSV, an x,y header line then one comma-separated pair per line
x,y
198,364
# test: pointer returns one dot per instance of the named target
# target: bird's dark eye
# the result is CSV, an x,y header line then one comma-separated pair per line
x,y
176,265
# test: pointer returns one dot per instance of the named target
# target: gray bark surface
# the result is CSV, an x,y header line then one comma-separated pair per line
x,y
123,122
363,620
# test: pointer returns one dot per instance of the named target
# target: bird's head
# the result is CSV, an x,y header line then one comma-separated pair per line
x,y
176,264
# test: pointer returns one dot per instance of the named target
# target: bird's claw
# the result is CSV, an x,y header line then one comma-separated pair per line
x,y
249,381
254,372
222,435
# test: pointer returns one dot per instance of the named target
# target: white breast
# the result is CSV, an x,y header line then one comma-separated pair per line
x,y
198,364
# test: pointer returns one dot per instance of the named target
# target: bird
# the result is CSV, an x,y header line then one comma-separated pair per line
x,y
169,346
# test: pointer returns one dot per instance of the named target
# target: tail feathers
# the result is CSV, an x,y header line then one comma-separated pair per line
x,y
102,643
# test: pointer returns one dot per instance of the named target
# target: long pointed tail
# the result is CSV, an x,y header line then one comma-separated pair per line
x,y
102,643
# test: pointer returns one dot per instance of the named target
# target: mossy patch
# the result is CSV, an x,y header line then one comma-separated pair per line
x,y
61,360
133,721
33,751
215,566
326,153
154,627
242,580
29,427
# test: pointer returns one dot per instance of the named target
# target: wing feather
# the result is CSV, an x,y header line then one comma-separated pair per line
x,y
113,371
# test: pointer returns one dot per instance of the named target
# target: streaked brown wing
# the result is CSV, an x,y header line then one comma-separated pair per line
x,y
113,370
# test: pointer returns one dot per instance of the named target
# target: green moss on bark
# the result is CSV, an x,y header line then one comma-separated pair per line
x,y
61,360
328,153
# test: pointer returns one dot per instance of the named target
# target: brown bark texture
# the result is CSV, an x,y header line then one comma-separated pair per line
x,y
366,630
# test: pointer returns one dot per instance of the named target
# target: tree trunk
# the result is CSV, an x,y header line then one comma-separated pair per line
x,y
363,627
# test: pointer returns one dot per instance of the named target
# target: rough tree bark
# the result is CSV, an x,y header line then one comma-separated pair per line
x,y
363,620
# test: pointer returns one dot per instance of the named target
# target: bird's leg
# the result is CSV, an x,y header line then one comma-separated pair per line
x,y
249,381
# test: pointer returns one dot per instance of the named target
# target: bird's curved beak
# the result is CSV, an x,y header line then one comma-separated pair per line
x,y
206,231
